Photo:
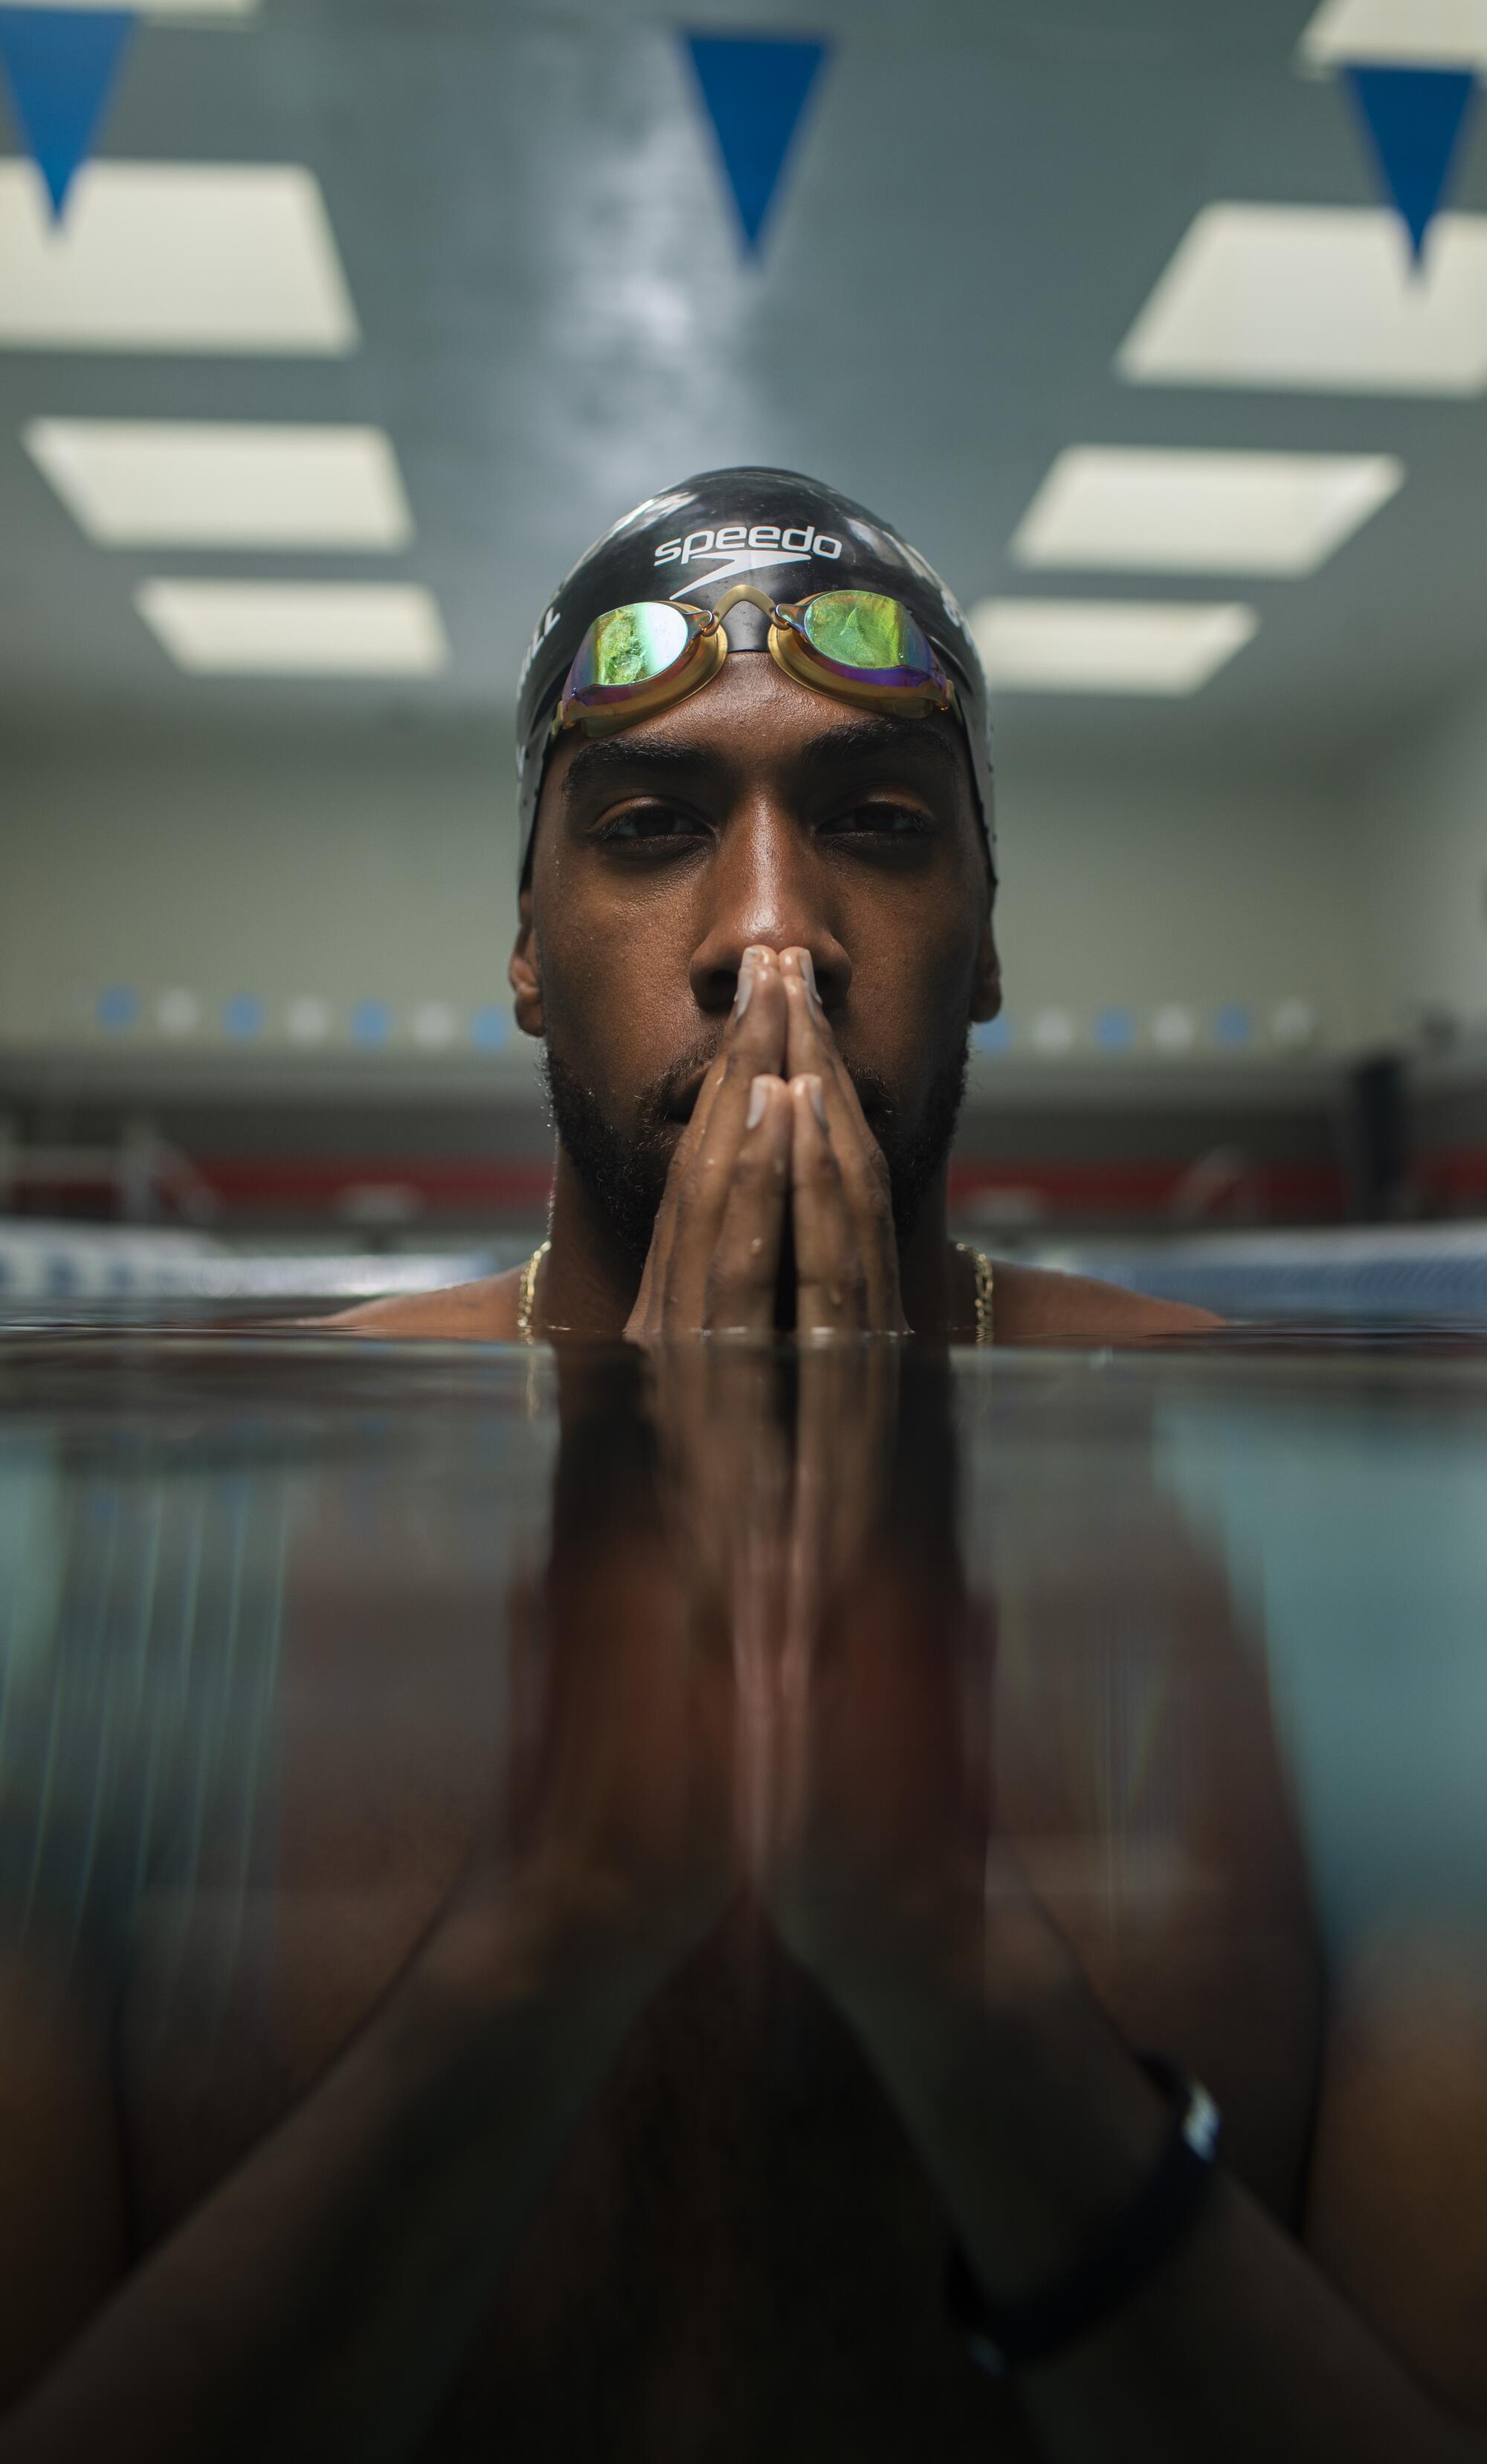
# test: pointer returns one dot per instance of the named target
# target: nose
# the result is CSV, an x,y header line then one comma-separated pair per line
x,y
766,885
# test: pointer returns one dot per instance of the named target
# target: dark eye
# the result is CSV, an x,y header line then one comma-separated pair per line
x,y
883,821
647,824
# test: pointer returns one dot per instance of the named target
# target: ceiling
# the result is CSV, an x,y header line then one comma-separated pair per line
x,y
557,320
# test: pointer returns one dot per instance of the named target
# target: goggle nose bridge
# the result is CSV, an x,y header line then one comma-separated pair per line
x,y
747,593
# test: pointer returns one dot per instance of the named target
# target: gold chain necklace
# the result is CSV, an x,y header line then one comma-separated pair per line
x,y
526,1291
981,1268
526,1294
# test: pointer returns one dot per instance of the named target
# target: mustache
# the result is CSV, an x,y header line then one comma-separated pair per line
x,y
660,1100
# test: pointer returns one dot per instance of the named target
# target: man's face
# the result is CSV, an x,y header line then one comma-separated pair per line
x,y
754,811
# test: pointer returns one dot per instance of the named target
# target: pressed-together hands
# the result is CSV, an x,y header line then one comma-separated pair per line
x,y
778,1145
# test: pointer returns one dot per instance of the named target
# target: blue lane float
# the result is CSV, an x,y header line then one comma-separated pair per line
x,y
118,1008
1114,1030
243,1017
371,1022
489,1028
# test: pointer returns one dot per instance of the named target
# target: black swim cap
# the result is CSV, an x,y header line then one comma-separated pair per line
x,y
790,534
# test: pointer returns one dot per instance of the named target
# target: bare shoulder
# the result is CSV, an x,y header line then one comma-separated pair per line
x,y
1035,1305
484,1312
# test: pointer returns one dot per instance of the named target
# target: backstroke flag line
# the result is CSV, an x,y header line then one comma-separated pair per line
x,y
60,65
754,89
1414,119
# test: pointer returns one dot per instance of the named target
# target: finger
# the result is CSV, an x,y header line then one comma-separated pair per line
x,y
812,1051
753,1042
832,1287
755,1032
698,1201
846,1404
811,1048
745,1261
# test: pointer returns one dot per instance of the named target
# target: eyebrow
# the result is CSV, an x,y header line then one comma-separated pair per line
x,y
615,758
876,737
856,743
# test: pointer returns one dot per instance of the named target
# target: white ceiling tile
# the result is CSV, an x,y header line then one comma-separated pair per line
x,y
296,628
1153,510
1106,646
172,256
1322,300
214,483
1420,33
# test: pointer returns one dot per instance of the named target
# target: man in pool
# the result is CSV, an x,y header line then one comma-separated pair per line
x,y
470,2115
758,872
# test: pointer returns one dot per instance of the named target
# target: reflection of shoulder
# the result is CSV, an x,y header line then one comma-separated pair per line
x,y
1035,1305
479,1312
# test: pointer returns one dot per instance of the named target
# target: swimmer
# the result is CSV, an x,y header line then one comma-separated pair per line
x,y
489,2083
758,872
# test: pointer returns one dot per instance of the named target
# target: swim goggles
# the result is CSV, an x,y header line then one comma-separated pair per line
x,y
857,645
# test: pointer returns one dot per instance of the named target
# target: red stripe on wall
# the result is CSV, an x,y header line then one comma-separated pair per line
x,y
1452,1179
1129,1187
1456,1174
310,1182
1143,1187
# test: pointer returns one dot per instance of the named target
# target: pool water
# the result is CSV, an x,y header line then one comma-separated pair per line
x,y
322,1659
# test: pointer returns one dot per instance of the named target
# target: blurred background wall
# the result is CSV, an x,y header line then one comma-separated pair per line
x,y
255,903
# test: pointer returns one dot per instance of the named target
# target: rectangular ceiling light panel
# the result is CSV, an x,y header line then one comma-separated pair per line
x,y
1106,646
296,628
172,256
1143,509
1317,299
1408,33
167,483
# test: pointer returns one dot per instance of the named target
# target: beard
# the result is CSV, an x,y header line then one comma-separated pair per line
x,y
624,1171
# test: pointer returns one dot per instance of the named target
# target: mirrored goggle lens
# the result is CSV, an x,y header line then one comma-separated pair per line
x,y
869,637
629,647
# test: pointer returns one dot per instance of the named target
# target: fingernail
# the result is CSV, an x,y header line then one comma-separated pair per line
x,y
745,991
817,1100
758,1098
808,970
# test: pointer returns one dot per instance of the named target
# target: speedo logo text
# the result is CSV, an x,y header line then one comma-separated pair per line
x,y
741,548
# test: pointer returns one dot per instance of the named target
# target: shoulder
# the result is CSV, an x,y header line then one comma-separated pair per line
x,y
484,1312
1035,1305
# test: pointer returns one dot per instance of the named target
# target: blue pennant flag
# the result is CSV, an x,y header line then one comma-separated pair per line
x,y
755,89
60,64
1414,119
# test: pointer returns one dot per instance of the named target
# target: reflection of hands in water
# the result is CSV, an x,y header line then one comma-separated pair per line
x,y
815,1514
745,1665
878,1854
773,1476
